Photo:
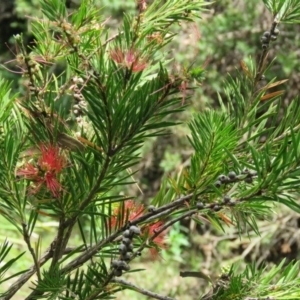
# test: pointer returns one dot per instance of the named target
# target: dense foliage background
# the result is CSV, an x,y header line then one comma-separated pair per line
x,y
228,33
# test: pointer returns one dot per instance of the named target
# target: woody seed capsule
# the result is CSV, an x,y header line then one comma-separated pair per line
x,y
126,233
232,175
222,178
276,31
126,241
134,229
226,198
199,205
118,272
218,184
122,249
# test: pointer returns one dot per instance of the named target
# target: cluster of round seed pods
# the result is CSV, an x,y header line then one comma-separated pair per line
x,y
78,97
249,175
233,177
125,248
223,179
228,201
269,36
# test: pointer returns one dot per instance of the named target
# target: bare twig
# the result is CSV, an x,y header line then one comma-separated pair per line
x,y
141,290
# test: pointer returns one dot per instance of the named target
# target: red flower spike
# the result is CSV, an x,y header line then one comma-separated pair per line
x,y
132,208
134,211
51,160
159,241
52,184
49,165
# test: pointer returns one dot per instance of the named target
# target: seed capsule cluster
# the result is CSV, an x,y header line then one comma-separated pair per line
x,y
223,179
233,177
249,175
125,248
269,36
151,208
78,97
228,201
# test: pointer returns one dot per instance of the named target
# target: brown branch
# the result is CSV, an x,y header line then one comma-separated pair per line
x,y
80,260
141,290
58,244
27,240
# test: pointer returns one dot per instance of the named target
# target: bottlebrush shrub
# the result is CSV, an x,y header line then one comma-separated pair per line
x,y
68,141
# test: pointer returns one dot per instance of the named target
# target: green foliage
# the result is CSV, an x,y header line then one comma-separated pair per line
x,y
68,146
279,283
4,250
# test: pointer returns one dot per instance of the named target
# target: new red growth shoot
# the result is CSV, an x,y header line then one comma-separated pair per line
x,y
129,59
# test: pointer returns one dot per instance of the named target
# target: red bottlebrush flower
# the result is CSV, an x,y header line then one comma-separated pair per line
x,y
159,241
48,166
129,59
130,210
51,160
133,209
